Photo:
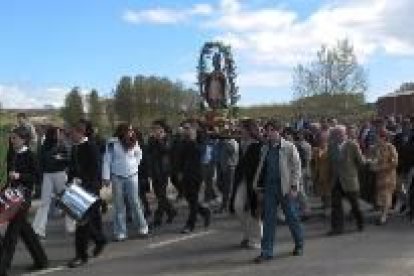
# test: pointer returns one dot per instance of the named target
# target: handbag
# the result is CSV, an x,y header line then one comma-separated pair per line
x,y
106,193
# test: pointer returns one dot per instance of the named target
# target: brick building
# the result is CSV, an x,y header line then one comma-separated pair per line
x,y
400,102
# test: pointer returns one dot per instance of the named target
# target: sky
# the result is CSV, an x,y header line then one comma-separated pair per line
x,y
47,47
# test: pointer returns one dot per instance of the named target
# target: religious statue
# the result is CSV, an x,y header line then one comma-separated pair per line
x,y
215,85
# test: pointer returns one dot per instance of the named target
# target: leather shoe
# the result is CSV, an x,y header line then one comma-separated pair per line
x,y
36,267
261,259
298,251
99,248
245,244
77,262
187,230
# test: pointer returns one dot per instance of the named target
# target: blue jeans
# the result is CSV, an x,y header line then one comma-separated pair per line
x,y
290,208
129,188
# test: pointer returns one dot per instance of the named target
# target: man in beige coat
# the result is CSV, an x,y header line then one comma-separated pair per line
x,y
345,159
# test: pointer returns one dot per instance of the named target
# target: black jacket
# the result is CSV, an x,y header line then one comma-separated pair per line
x,y
25,164
190,165
48,161
158,153
84,164
175,154
405,151
246,170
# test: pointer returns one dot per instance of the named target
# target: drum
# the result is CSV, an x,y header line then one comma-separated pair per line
x,y
11,202
76,202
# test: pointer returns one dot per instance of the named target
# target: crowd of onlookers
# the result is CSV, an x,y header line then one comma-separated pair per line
x,y
228,168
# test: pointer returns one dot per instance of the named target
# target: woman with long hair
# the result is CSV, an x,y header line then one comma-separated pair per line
x,y
120,166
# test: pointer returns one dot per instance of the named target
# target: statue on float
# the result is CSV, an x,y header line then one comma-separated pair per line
x,y
217,86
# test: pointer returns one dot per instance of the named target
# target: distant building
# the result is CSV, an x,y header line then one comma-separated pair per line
x,y
49,107
400,102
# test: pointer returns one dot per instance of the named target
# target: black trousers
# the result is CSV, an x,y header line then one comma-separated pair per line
x,y
164,205
368,184
225,179
337,219
19,226
191,191
208,171
91,230
143,190
177,183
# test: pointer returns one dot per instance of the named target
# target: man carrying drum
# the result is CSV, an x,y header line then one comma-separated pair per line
x,y
84,168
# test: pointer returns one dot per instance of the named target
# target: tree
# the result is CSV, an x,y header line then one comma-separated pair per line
x,y
125,99
334,71
141,99
73,108
95,109
408,86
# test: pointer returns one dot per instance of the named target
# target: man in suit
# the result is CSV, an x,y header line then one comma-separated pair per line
x,y
345,159
191,177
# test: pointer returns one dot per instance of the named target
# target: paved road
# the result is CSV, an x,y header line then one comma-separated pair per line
x,y
387,250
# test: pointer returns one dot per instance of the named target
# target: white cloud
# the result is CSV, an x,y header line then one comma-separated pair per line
x,y
166,16
160,16
17,96
279,36
273,39
264,79
230,6
188,78
201,9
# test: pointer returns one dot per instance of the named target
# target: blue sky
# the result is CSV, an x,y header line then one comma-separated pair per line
x,y
48,46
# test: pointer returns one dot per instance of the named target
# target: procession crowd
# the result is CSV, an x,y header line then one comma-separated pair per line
x,y
252,168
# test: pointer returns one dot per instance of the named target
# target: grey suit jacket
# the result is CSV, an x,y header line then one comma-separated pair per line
x,y
345,162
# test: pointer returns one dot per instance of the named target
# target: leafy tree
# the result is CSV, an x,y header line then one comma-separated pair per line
x,y
95,109
141,99
125,99
334,71
73,109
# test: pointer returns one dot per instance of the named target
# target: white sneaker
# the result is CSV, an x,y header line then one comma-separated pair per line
x,y
281,217
120,237
143,230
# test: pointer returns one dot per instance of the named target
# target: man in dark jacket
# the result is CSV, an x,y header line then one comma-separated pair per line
x,y
176,149
243,200
192,177
159,152
84,168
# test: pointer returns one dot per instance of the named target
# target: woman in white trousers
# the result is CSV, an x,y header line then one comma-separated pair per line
x,y
251,225
53,161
